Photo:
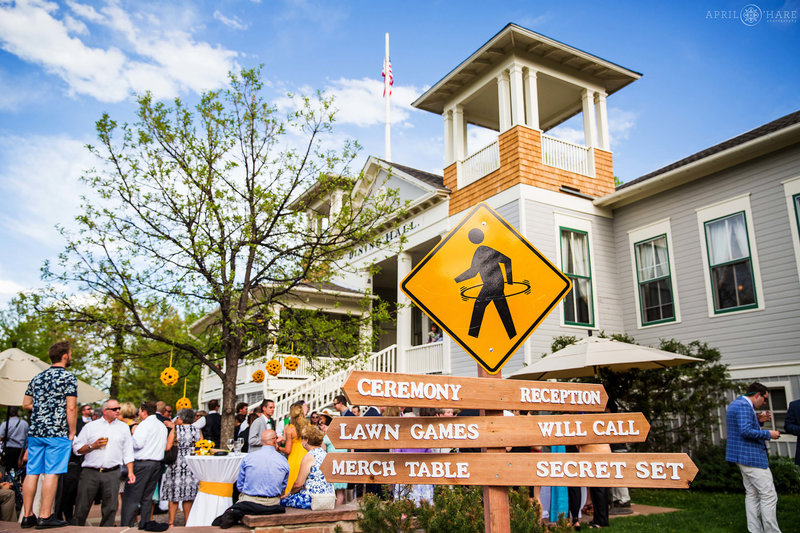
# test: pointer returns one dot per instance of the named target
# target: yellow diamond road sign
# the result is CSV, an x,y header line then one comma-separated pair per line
x,y
487,286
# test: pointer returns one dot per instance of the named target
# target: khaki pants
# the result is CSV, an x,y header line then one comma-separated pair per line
x,y
259,499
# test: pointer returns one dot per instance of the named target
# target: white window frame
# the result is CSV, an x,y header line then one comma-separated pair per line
x,y
791,189
721,210
644,233
585,225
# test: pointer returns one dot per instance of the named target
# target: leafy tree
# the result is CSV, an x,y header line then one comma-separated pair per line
x,y
203,208
127,367
681,403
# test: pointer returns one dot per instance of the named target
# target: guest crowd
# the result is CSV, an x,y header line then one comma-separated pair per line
x,y
133,460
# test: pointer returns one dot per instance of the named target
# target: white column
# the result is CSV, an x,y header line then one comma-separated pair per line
x,y
603,140
336,203
449,152
517,99
531,98
365,331
403,312
502,100
459,133
589,122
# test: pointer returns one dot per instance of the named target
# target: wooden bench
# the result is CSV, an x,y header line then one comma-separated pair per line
x,y
305,520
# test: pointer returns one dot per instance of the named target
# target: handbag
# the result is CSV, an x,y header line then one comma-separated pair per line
x,y
323,502
171,455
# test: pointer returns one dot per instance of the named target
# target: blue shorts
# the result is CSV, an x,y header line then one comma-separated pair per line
x,y
48,455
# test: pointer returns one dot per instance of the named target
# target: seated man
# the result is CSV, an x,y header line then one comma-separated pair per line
x,y
262,480
8,508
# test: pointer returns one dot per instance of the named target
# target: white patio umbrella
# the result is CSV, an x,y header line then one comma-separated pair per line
x,y
587,356
17,368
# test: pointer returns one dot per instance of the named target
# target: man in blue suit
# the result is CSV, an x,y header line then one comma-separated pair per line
x,y
793,426
747,447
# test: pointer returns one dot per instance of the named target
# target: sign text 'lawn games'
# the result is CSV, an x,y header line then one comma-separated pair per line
x,y
454,432
416,390
653,470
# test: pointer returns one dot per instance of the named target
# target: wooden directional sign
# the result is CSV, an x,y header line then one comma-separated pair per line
x,y
416,390
645,470
481,431
484,261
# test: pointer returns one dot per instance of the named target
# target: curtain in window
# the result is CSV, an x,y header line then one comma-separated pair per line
x,y
574,253
652,259
727,239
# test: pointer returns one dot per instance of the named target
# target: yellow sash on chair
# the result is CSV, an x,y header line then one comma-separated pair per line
x,y
217,489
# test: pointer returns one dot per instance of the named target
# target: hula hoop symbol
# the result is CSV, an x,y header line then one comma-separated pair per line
x,y
524,288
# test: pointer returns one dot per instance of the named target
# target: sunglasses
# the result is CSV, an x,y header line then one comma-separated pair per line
x,y
112,408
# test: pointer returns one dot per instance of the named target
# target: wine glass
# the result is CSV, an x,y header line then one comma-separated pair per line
x,y
230,445
238,445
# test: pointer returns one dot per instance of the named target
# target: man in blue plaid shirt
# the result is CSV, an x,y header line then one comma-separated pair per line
x,y
747,447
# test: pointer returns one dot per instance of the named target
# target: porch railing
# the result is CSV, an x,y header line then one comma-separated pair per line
x,y
479,164
567,156
425,359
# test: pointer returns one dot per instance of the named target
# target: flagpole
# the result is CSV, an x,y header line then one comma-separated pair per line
x,y
387,92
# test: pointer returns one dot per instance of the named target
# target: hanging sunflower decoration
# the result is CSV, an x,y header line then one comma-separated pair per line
x,y
274,367
183,403
291,363
169,376
258,376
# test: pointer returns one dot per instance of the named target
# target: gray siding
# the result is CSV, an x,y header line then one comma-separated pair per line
x,y
767,336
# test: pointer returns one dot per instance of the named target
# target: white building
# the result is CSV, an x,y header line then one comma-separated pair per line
x,y
706,248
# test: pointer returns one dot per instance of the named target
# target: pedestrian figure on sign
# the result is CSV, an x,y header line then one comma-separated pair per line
x,y
486,261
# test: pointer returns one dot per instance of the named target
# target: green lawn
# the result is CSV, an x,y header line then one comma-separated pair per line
x,y
705,512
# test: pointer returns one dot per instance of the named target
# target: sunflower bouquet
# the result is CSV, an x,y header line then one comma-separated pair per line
x,y
203,447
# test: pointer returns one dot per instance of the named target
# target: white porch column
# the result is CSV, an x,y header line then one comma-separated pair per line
x,y
449,152
336,203
517,98
531,98
603,140
365,331
502,100
403,312
459,133
589,121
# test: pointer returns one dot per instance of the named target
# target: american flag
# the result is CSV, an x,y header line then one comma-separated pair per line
x,y
387,70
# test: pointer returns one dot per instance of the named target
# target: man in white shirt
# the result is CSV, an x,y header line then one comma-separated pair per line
x,y
149,440
106,445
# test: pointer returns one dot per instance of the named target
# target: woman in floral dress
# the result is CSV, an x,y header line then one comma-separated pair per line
x,y
310,479
178,483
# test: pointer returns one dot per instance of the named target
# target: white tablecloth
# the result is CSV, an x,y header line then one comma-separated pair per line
x,y
220,469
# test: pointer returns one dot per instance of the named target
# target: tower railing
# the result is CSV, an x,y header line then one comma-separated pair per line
x,y
479,164
567,156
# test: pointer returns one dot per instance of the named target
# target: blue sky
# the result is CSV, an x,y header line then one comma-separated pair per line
x,y
707,77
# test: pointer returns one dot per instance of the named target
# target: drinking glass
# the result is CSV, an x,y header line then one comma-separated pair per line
x,y
237,446
230,445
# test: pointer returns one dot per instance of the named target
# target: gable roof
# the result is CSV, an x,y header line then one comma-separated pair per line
x,y
758,141
426,177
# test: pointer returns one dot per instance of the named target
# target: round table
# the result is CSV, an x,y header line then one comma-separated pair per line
x,y
217,474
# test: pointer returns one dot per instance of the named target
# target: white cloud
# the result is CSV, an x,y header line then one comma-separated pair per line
x,y
148,53
360,101
9,288
234,22
620,124
40,185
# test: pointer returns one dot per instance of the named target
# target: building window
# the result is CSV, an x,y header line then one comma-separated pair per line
x,y
729,262
777,404
796,199
578,307
654,280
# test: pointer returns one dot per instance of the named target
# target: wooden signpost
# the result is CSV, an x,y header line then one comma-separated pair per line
x,y
481,431
468,285
643,470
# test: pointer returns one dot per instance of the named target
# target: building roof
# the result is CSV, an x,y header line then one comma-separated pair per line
x,y
516,39
328,287
426,177
775,125
747,146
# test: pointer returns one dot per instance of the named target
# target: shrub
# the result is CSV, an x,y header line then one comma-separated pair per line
x,y
715,474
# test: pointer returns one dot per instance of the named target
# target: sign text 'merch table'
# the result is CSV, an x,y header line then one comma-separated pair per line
x,y
415,390
481,431
653,470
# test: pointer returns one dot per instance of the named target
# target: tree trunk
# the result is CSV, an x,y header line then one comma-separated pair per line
x,y
228,410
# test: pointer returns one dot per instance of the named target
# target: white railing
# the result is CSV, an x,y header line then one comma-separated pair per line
x,y
566,155
425,359
481,163
319,393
